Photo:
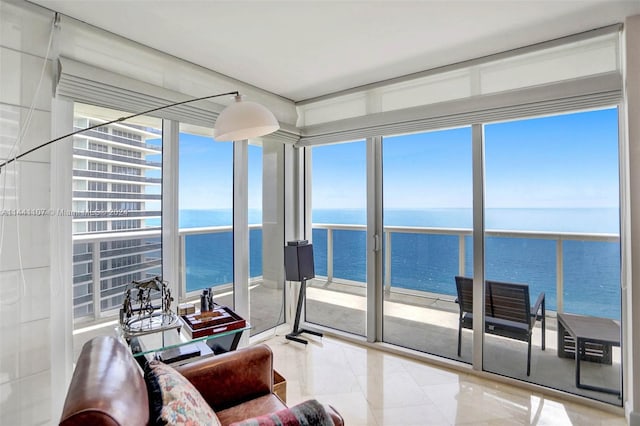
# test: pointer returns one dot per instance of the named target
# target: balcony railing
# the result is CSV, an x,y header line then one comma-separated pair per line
x,y
462,234
220,259
116,176
99,287
119,139
105,195
117,158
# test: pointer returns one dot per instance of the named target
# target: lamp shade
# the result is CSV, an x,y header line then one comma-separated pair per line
x,y
244,120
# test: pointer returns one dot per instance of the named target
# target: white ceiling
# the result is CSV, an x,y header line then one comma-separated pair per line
x,y
303,49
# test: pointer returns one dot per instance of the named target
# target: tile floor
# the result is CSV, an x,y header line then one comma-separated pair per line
x,y
371,387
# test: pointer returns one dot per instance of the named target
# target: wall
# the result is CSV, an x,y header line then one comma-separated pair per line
x,y
25,313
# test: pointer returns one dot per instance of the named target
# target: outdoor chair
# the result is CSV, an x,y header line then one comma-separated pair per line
x,y
508,312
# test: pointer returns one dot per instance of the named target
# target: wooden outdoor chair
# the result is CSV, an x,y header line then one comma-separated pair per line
x,y
508,312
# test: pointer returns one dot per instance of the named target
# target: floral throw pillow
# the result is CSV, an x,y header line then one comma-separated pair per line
x,y
173,400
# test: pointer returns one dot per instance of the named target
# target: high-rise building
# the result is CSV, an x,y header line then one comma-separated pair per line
x,y
116,211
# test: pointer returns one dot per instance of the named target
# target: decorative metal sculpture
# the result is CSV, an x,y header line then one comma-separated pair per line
x,y
150,318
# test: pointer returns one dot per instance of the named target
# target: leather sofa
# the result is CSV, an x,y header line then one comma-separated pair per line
x,y
108,387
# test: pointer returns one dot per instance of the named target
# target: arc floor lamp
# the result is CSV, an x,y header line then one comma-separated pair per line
x,y
238,121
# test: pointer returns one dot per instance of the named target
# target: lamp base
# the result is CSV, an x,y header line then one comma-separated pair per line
x,y
294,335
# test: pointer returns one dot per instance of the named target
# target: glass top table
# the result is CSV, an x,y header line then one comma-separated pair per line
x,y
175,343
169,339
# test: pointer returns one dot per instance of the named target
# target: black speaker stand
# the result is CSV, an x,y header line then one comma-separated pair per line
x,y
297,331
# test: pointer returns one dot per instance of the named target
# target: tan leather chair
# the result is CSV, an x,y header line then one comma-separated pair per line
x,y
108,388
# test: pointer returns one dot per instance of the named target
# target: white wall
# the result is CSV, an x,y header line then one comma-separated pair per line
x,y
25,344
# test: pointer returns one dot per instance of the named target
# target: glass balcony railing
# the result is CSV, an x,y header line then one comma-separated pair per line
x,y
116,177
568,267
105,263
119,139
79,152
207,257
104,195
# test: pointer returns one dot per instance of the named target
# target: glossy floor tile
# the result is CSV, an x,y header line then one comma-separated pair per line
x,y
371,387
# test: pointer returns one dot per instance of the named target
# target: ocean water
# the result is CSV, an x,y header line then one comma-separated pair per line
x,y
430,262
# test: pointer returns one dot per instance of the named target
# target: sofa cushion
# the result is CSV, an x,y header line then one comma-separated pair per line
x,y
308,413
173,400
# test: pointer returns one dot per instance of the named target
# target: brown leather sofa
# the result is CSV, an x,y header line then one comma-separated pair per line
x,y
108,388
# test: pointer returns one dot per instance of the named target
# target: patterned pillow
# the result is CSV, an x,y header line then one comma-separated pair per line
x,y
173,400
308,413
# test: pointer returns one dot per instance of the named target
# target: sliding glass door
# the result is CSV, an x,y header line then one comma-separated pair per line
x,y
427,189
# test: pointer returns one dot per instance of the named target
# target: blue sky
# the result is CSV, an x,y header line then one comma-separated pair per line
x,y
561,161
566,161
206,173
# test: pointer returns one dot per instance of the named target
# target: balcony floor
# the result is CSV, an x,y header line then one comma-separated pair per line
x,y
430,325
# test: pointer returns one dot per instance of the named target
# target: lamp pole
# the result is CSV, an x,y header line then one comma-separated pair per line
x,y
118,120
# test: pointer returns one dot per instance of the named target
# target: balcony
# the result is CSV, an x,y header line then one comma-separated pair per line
x,y
419,309
458,242
424,320
105,195
120,140
120,159
116,177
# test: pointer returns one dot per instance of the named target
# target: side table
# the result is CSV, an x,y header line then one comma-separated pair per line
x,y
600,333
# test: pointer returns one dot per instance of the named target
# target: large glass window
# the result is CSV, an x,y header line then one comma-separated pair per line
x,y
206,213
552,225
105,259
337,296
427,198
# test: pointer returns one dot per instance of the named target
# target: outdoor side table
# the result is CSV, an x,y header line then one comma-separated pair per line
x,y
591,332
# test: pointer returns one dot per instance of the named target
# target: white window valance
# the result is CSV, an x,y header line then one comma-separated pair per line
x,y
85,83
576,72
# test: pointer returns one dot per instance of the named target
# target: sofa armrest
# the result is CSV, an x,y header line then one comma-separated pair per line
x,y
234,377
107,387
